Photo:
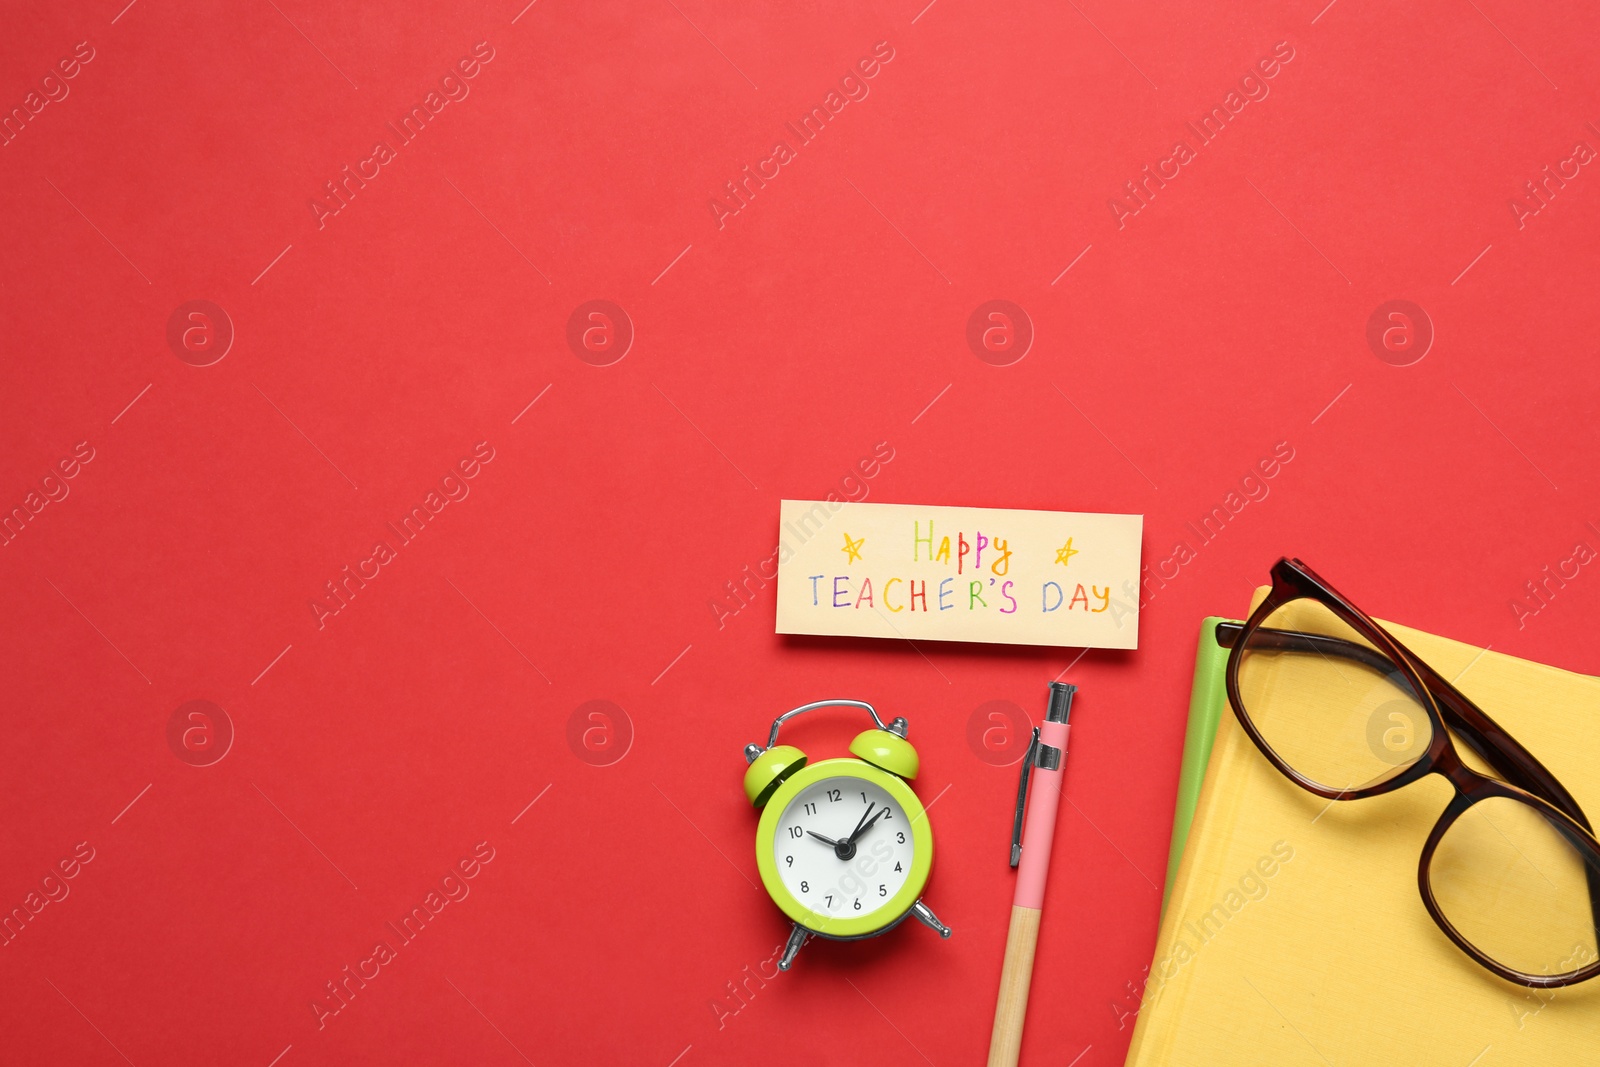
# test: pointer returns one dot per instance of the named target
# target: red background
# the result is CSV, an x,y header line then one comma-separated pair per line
x,y
770,357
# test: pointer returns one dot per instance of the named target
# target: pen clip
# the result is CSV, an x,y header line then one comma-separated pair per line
x,y
1022,797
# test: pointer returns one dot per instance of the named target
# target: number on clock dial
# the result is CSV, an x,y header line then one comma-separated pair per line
x,y
811,869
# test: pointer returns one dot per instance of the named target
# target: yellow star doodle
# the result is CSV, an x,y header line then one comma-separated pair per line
x,y
1065,553
852,547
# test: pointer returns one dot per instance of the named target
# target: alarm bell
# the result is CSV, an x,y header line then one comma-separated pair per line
x,y
884,746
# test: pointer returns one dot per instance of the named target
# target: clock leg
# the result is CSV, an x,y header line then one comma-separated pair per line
x,y
797,937
929,919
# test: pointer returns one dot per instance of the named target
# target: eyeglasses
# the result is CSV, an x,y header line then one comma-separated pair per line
x,y
1511,871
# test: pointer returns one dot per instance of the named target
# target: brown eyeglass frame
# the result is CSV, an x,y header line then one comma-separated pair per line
x,y
1527,780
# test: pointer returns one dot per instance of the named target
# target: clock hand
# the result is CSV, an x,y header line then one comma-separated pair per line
x,y
859,821
868,826
824,840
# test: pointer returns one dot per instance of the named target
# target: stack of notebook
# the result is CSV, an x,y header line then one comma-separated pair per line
x,y
1293,931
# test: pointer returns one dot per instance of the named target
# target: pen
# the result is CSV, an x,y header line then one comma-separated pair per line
x,y
1045,760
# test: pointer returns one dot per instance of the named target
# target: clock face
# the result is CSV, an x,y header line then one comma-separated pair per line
x,y
844,847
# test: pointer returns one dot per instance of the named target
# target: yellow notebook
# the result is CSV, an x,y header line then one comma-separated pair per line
x,y
1295,933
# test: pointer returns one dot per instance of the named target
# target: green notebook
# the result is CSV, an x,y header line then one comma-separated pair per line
x,y
1208,700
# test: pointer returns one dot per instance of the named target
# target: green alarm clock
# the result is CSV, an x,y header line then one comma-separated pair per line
x,y
844,846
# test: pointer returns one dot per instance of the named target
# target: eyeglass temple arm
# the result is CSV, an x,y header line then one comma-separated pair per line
x,y
1481,733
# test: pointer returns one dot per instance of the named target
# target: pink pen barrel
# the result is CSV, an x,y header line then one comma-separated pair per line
x,y
1039,830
